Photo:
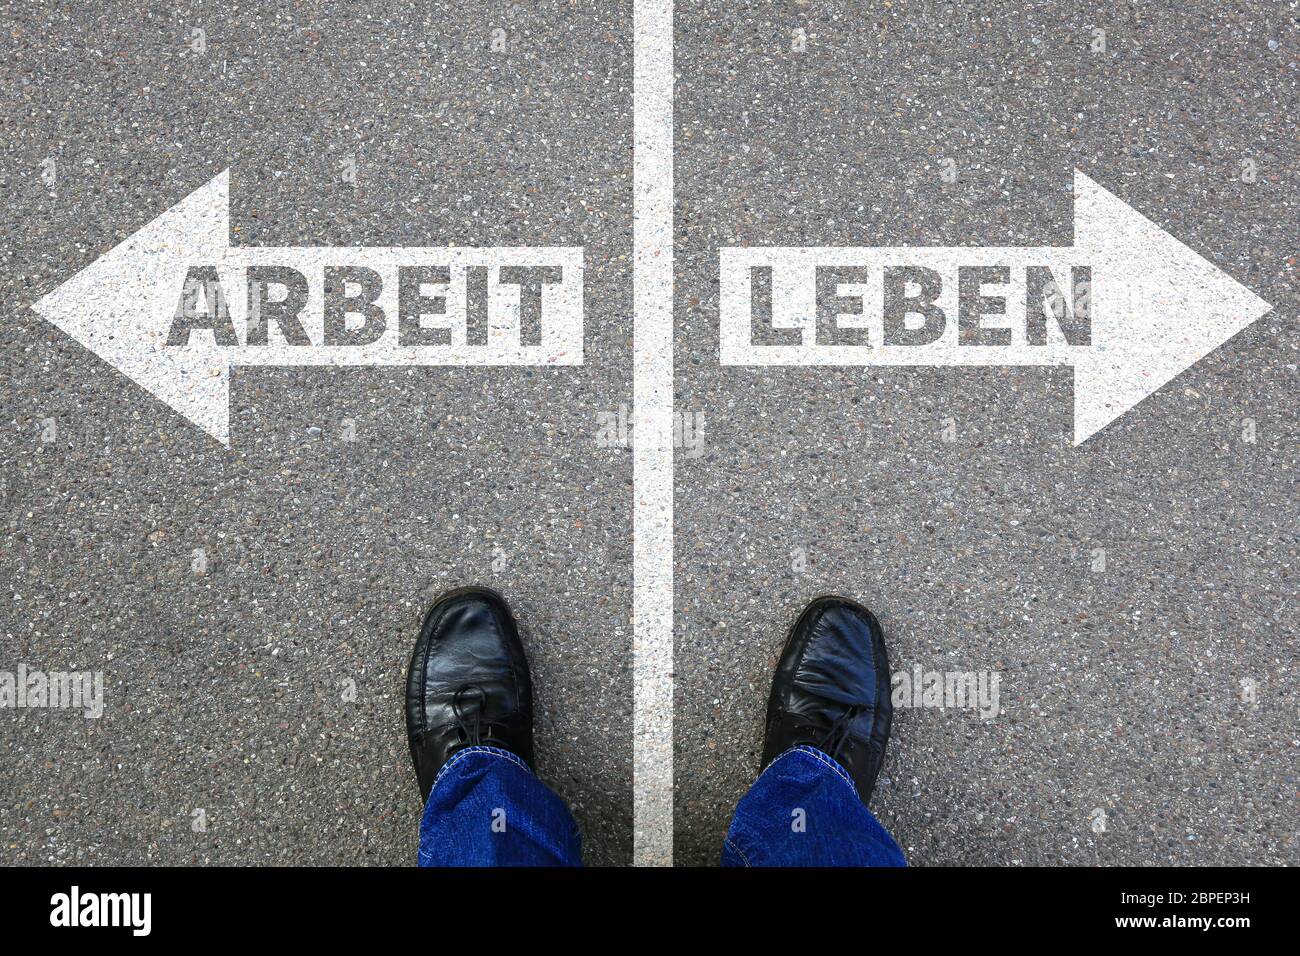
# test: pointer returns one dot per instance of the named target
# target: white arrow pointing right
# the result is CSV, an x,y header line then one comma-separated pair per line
x,y
1153,307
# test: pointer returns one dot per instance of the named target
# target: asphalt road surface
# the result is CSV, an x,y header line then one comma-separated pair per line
x,y
225,690
1121,697
252,608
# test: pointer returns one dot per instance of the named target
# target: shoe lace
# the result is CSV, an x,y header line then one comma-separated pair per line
x,y
471,727
836,735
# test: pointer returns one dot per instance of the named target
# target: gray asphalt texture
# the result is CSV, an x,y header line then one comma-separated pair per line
x,y
225,691
1120,689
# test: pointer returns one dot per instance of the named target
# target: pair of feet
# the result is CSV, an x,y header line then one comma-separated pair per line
x,y
468,685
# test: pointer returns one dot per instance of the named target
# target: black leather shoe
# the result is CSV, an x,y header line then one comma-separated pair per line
x,y
832,690
468,683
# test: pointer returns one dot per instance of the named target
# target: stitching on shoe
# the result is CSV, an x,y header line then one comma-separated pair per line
x,y
425,640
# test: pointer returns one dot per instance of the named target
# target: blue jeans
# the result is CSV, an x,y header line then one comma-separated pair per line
x,y
488,809
803,810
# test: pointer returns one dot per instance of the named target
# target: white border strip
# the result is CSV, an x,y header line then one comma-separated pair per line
x,y
652,453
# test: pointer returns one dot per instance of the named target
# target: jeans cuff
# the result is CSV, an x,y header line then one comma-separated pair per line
x,y
480,749
821,757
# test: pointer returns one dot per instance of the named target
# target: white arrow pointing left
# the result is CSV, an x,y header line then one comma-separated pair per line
x,y
416,306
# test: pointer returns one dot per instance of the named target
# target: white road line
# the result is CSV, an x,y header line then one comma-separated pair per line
x,y
652,436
